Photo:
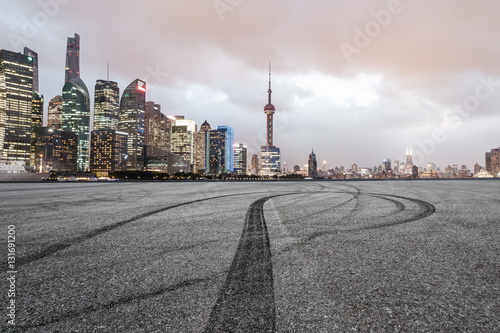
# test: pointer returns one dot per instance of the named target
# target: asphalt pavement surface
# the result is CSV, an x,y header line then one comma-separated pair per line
x,y
273,256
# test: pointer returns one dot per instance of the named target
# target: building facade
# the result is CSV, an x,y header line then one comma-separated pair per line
x,y
56,150
72,69
54,115
200,145
229,150
36,122
132,122
76,117
108,152
254,165
106,105
183,139
16,100
157,127
240,159
312,165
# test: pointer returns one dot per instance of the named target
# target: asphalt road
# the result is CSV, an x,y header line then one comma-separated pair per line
x,y
298,256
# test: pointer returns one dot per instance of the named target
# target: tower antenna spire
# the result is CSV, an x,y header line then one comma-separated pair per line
x,y
269,91
108,73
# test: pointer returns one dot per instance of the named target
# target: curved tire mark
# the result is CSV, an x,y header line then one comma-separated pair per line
x,y
246,300
97,232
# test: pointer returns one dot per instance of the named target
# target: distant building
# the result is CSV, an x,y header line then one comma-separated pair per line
x,y
312,165
488,162
132,118
216,151
162,160
477,168
199,165
229,158
386,165
157,127
76,117
270,161
495,162
16,98
108,152
396,166
56,150
106,105
183,139
36,122
240,159
76,102
72,70
54,116
254,165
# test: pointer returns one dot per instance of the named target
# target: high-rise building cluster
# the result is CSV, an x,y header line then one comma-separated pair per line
x,y
128,133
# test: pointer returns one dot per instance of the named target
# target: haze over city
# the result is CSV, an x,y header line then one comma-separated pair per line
x,y
358,82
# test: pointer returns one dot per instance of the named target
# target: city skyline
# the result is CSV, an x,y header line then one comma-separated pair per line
x,y
357,95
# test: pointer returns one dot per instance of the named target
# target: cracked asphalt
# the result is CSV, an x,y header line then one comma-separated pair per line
x,y
286,256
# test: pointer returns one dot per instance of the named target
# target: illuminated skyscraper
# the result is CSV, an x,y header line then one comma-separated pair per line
x,y
16,101
132,117
76,103
183,139
229,158
72,70
76,117
36,122
157,127
270,156
55,150
215,154
240,159
54,116
199,166
108,151
106,105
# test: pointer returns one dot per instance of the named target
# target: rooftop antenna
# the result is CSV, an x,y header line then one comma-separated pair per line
x,y
269,91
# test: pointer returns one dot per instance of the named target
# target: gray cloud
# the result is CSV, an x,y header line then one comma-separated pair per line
x,y
428,58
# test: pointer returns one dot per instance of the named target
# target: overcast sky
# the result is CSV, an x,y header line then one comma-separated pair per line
x,y
358,81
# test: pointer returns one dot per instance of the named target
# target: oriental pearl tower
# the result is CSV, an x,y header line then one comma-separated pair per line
x,y
269,110
270,155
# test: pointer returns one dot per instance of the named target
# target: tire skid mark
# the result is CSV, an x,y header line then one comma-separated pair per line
x,y
426,209
246,300
99,231
119,301
399,205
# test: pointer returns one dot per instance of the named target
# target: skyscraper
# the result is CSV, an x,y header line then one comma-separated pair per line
x,y
108,151
199,166
132,117
106,105
254,165
16,101
270,156
36,122
183,139
76,103
240,159
54,116
312,165
76,117
215,154
72,70
55,150
229,158
157,127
